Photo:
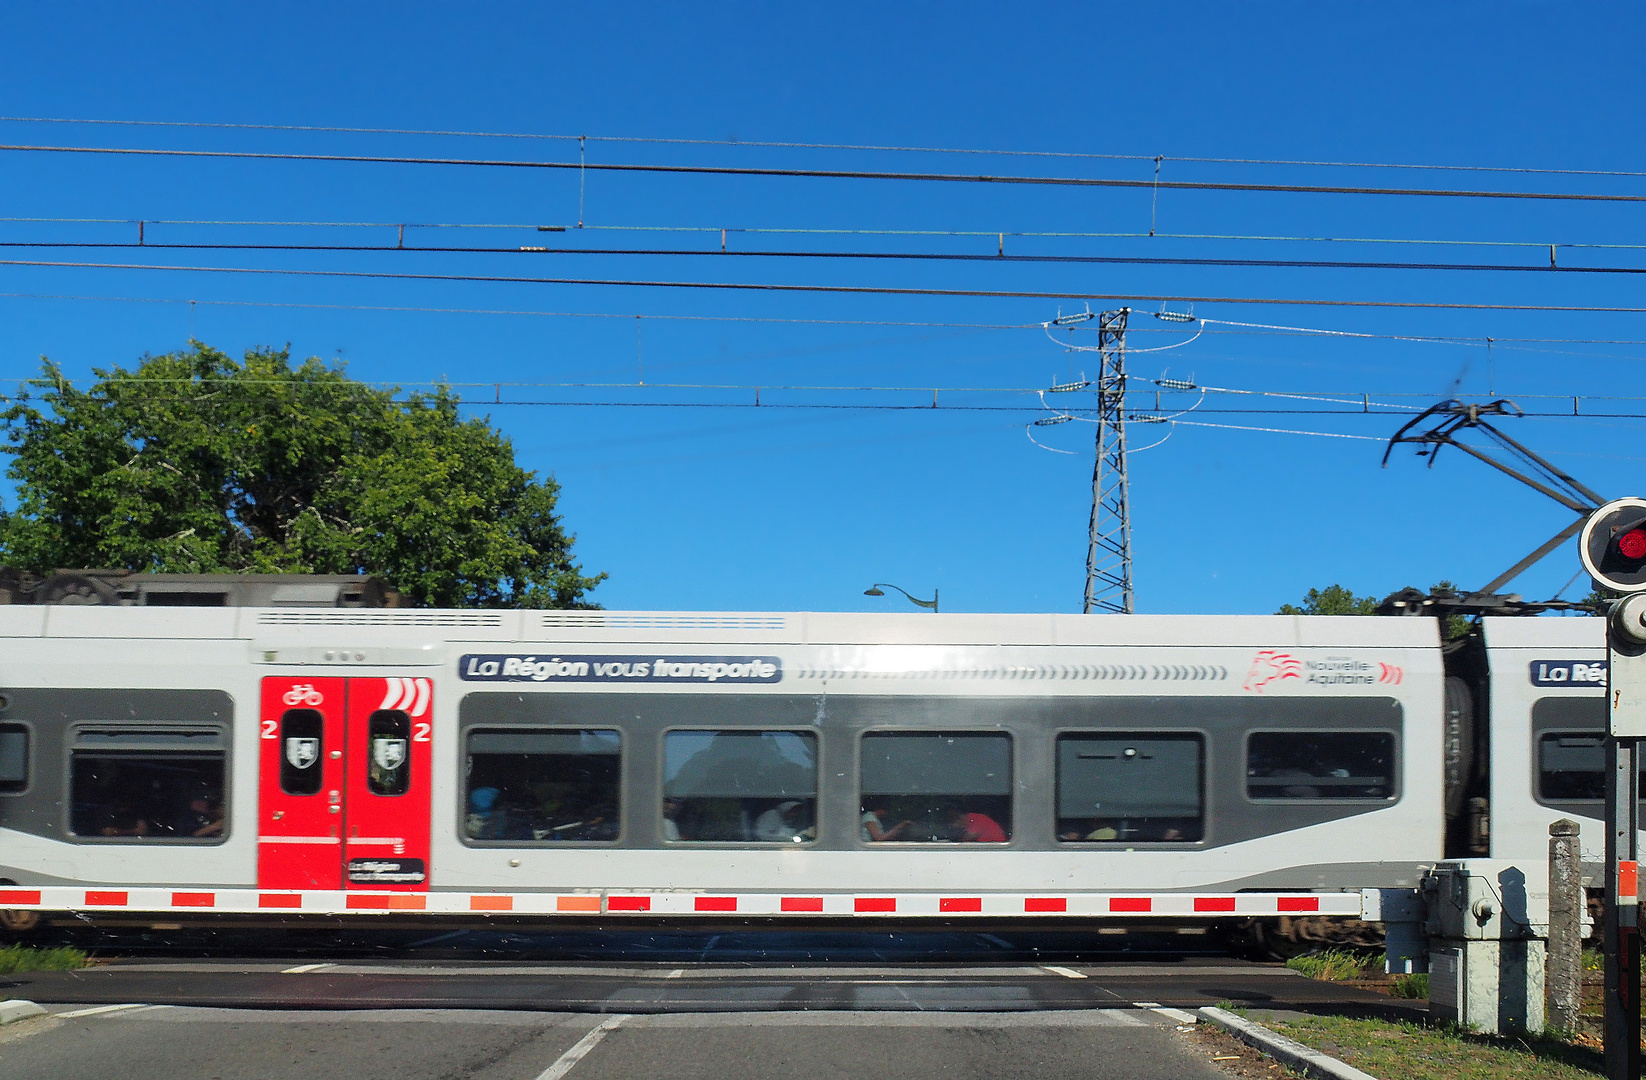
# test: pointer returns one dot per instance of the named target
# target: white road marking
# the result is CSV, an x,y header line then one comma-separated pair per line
x,y
580,1049
1067,973
883,1018
101,1010
827,974
302,969
1171,1014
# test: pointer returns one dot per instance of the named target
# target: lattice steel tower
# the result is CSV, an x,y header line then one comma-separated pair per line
x,y
1109,554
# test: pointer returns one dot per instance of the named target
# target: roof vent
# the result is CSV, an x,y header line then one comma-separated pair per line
x,y
390,617
624,620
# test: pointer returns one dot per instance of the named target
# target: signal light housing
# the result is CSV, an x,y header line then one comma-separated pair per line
x,y
1613,545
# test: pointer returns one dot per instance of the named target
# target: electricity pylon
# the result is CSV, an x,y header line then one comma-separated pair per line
x,y
1109,553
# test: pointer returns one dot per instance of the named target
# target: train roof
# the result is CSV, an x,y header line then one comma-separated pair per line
x,y
797,628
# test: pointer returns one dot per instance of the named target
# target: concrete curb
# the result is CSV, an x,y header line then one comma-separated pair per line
x,y
1286,1051
15,1010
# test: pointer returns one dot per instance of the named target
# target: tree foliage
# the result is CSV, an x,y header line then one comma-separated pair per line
x,y
1336,600
196,463
1332,600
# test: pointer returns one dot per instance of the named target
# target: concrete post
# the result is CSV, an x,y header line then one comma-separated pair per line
x,y
1563,981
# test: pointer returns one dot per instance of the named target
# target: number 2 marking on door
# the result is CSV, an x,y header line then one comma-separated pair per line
x,y
420,732
270,727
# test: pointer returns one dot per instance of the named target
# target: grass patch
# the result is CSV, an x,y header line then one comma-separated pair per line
x,y
1403,1051
1410,986
22,958
1332,965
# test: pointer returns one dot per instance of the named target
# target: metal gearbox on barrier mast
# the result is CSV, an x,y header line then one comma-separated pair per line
x,y
1612,546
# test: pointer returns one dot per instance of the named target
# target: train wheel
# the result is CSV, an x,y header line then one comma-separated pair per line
x,y
1279,940
16,923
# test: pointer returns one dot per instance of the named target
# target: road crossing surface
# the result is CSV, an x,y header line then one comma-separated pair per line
x,y
440,1014
185,1043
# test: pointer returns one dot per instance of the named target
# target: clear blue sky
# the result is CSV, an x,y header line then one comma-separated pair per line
x,y
707,508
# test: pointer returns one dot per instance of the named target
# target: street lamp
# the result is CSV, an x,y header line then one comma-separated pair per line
x,y
874,590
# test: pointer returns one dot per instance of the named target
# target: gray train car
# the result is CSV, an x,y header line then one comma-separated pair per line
x,y
169,761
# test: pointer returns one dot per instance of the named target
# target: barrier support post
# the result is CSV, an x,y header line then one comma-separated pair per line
x,y
1563,980
1622,936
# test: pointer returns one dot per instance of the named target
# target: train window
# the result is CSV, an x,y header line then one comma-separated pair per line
x,y
302,748
1571,766
1130,788
920,787
14,758
534,784
147,784
1320,765
740,786
388,764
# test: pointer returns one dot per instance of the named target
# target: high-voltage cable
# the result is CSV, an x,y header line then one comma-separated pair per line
x,y
837,174
851,290
909,256
857,147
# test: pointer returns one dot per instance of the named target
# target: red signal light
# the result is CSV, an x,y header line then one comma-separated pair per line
x,y
1632,544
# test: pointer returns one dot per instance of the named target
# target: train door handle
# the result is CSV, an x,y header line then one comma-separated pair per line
x,y
336,754
278,814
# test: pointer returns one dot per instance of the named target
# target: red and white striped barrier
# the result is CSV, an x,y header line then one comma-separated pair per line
x,y
619,902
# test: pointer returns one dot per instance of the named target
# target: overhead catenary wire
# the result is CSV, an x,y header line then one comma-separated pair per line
x,y
837,174
1276,431
869,256
414,309
1471,341
1361,402
1363,405
1067,234
915,408
851,290
871,147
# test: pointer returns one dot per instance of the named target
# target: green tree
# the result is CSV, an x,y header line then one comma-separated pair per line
x,y
1332,600
1336,600
196,463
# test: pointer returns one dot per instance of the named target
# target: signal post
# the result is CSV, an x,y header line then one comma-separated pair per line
x,y
1613,549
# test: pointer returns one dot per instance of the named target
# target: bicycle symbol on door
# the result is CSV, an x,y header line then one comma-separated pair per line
x,y
303,694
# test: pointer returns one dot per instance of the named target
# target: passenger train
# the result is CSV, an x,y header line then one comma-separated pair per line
x,y
161,761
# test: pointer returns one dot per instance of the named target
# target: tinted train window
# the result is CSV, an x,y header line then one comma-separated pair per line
x,y
544,785
1571,766
14,758
1320,765
302,748
1125,788
147,784
388,761
936,788
740,786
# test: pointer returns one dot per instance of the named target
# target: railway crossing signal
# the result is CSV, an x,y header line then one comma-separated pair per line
x,y
1612,545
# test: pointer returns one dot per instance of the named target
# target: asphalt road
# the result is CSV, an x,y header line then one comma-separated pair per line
x,y
170,1043
664,988
884,1007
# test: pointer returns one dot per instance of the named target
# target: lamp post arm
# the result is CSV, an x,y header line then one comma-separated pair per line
x,y
932,603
